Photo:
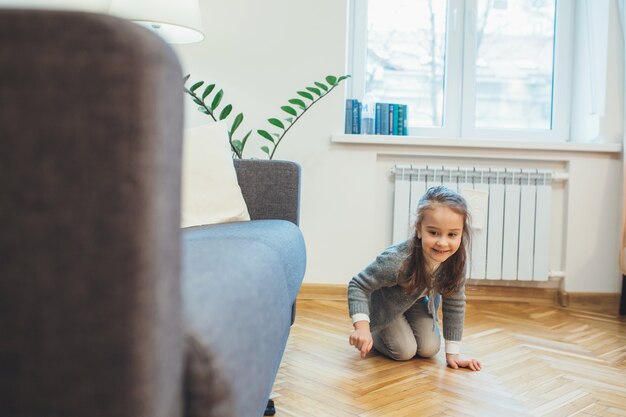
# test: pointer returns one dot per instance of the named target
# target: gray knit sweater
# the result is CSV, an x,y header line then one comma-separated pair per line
x,y
375,292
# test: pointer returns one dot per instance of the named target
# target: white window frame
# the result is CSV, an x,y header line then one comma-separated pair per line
x,y
459,74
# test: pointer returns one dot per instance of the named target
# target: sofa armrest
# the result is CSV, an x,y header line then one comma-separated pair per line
x,y
270,188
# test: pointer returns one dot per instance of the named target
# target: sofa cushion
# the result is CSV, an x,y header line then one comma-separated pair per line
x,y
237,284
284,238
210,191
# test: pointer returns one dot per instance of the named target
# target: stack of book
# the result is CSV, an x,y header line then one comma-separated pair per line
x,y
354,108
391,119
383,119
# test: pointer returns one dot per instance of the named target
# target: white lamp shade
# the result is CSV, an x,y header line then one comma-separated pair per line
x,y
176,21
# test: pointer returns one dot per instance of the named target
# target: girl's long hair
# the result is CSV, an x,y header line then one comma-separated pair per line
x,y
450,275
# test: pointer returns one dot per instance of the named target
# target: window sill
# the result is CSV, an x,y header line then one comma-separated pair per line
x,y
476,143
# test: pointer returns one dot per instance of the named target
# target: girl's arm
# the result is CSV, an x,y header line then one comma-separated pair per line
x,y
453,308
382,272
456,361
361,338
359,290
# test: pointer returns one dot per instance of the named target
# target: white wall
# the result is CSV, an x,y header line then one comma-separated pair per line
x,y
262,52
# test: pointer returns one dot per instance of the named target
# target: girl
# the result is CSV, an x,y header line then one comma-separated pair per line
x,y
397,296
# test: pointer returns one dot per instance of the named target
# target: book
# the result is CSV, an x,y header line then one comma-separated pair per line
x,y
356,117
404,123
348,118
384,116
352,124
400,120
390,119
393,119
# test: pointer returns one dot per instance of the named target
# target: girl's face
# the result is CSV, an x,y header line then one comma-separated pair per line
x,y
441,231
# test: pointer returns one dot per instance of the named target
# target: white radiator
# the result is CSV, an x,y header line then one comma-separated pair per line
x,y
510,211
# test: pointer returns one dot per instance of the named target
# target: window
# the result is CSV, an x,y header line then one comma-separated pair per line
x,y
473,68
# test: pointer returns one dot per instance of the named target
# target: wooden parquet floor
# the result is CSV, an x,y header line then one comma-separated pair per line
x,y
537,361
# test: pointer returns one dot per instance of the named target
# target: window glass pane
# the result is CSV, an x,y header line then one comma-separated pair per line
x,y
405,56
514,63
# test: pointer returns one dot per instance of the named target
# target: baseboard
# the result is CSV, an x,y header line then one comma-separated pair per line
x,y
539,296
323,292
538,293
482,291
551,283
606,302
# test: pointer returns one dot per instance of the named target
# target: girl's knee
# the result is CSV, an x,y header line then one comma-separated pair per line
x,y
402,349
404,354
398,346
429,349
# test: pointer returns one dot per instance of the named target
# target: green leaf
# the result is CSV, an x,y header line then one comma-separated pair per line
x,y
315,90
185,78
266,150
226,111
343,77
265,135
289,120
276,123
236,123
196,86
245,139
217,99
305,95
237,145
298,102
208,90
321,85
290,110
197,101
331,79
203,110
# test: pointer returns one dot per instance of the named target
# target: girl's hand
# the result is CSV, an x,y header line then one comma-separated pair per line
x,y
455,362
361,338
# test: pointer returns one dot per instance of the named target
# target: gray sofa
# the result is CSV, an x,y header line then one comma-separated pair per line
x,y
107,307
254,274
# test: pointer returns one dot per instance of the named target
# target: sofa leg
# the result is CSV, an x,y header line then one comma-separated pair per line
x,y
270,410
622,304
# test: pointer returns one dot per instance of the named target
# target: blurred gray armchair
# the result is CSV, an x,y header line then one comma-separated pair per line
x,y
96,317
